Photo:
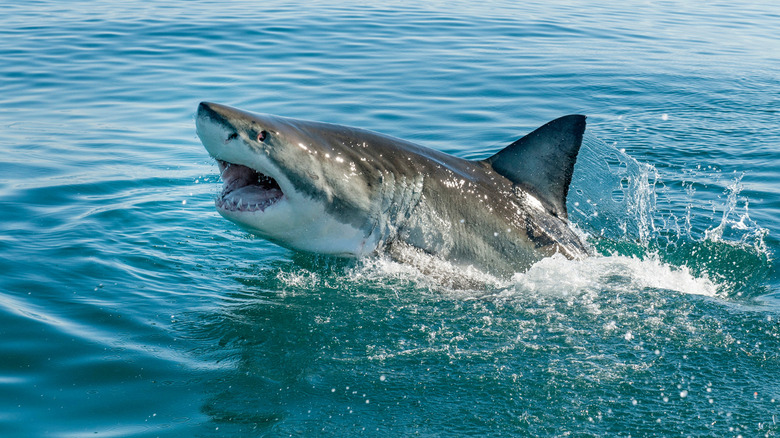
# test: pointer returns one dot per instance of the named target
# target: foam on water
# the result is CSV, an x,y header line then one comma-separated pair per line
x,y
554,276
558,275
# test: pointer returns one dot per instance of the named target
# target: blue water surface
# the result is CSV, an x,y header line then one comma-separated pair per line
x,y
129,307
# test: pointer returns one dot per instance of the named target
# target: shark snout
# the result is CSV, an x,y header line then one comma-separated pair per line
x,y
210,112
204,107
222,113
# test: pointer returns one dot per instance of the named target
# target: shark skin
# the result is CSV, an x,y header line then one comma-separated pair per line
x,y
332,189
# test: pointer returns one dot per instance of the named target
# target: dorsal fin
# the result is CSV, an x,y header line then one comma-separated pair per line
x,y
542,162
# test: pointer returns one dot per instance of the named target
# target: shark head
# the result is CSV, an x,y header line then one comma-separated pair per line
x,y
289,181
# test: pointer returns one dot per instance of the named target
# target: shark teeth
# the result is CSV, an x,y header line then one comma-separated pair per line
x,y
230,204
246,190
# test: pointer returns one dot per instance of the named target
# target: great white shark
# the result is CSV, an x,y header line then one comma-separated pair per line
x,y
332,189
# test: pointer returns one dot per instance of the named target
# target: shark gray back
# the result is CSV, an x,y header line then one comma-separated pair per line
x,y
332,189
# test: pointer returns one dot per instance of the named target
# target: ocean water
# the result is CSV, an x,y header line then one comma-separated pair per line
x,y
129,307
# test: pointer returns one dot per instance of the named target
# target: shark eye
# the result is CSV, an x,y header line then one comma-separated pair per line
x,y
262,135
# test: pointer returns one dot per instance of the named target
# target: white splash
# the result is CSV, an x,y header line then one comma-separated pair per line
x,y
558,275
552,276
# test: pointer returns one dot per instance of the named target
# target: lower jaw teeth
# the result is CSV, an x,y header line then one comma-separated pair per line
x,y
240,206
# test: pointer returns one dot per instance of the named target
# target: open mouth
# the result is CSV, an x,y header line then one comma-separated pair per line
x,y
245,189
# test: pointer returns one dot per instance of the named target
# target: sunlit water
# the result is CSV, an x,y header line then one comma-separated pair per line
x,y
129,307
